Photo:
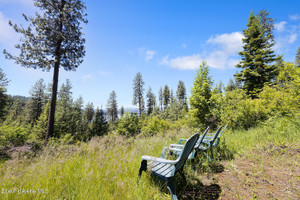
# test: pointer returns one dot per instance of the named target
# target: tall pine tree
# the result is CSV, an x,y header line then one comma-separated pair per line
x,y
99,126
258,59
160,97
138,92
37,101
112,107
201,93
3,96
181,95
151,101
122,111
89,112
53,39
166,96
297,58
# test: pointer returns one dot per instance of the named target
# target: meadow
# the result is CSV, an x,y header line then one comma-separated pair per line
x,y
259,163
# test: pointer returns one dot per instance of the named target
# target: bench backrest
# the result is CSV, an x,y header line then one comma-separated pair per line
x,y
187,149
218,139
216,135
201,138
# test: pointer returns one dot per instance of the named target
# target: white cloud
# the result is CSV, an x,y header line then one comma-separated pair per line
x,y
183,62
224,54
280,26
146,53
220,52
149,55
103,73
228,42
87,77
292,38
7,33
294,17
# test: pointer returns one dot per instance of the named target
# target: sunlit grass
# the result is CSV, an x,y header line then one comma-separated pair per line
x,y
107,167
282,132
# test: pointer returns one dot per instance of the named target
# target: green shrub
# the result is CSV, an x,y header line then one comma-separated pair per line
x,y
13,134
154,125
240,111
128,124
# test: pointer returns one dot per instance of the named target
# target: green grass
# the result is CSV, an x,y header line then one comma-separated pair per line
x,y
281,132
107,168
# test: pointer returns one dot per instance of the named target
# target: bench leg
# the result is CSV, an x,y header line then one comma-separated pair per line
x,y
171,187
143,167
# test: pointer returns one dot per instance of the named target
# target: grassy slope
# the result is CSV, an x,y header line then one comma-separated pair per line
x,y
107,168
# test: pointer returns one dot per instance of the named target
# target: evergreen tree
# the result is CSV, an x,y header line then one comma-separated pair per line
x,y
3,96
172,98
151,101
142,106
40,128
267,25
89,112
181,95
201,93
230,86
258,58
64,110
220,87
36,103
99,126
112,107
53,39
16,111
160,94
297,58
78,124
138,92
166,96
122,111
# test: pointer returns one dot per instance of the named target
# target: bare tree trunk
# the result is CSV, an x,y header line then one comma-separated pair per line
x,y
51,119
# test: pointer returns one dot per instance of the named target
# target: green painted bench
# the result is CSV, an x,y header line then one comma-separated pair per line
x,y
177,148
211,142
166,169
208,142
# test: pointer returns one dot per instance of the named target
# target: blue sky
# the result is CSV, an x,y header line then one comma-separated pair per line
x,y
165,40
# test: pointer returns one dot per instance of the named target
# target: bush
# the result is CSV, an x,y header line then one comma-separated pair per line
x,y
13,134
240,111
128,124
155,125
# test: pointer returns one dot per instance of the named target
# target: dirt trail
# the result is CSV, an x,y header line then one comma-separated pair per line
x,y
261,174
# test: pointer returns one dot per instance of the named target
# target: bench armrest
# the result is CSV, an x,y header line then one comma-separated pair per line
x,y
160,160
176,145
175,149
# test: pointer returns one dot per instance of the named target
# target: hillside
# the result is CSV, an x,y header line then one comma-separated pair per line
x,y
260,163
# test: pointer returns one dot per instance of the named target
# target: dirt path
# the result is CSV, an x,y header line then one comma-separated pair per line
x,y
261,174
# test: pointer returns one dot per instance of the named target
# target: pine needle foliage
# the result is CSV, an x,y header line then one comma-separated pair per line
x,y
53,39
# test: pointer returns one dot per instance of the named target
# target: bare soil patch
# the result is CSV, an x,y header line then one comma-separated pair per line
x,y
270,173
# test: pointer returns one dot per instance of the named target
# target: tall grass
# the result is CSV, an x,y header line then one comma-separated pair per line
x,y
281,132
107,167
104,168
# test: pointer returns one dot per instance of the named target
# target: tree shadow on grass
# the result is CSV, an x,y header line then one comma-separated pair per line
x,y
202,165
188,189
195,189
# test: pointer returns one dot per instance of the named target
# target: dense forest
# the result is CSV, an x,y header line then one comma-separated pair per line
x,y
265,88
